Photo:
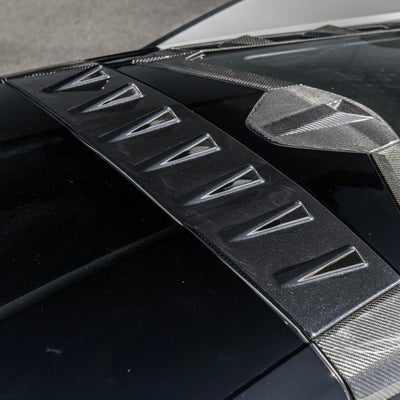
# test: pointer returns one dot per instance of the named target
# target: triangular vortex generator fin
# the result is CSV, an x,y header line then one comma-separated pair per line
x,y
159,119
93,75
197,148
348,260
334,264
247,178
293,215
118,97
189,150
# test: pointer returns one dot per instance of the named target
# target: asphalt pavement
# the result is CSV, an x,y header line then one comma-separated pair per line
x,y
36,33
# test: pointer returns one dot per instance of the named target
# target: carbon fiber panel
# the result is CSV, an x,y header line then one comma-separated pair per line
x,y
250,42
279,239
388,162
246,40
365,348
220,73
161,56
330,30
310,118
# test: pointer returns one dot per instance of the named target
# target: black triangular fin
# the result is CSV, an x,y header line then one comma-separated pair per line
x,y
349,259
243,180
118,97
331,265
86,78
159,119
290,216
196,148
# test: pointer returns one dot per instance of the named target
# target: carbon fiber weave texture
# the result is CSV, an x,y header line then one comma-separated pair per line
x,y
365,348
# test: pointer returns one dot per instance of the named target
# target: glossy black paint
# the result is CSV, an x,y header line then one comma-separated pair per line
x,y
292,381
20,117
348,184
61,206
164,320
172,322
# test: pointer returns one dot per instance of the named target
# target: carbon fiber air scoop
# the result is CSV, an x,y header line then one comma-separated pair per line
x,y
291,250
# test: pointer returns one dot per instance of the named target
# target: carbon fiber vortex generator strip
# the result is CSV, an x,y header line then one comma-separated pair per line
x,y
365,348
266,228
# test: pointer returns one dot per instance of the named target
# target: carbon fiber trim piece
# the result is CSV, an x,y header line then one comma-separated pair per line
x,y
330,115
310,118
329,30
365,348
51,70
281,41
220,195
245,40
195,67
161,55
235,44
387,160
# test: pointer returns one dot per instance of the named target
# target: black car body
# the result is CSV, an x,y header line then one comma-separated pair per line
x,y
209,221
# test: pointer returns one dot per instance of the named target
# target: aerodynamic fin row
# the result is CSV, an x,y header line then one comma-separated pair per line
x,y
270,231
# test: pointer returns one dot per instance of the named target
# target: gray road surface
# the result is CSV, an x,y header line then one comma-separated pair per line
x,y
35,33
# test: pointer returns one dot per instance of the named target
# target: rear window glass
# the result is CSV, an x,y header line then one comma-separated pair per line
x,y
364,68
